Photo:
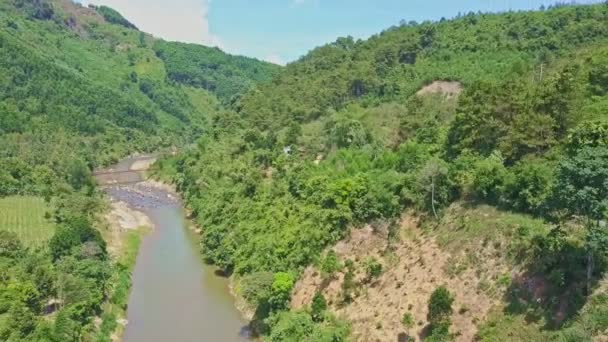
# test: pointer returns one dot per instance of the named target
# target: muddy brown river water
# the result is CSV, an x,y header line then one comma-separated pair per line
x,y
175,297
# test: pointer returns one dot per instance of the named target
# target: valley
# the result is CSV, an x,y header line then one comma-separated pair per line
x,y
174,295
438,181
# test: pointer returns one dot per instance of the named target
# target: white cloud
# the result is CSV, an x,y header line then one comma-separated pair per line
x,y
177,20
275,58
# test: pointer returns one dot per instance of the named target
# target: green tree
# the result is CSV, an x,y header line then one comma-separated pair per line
x,y
582,189
73,234
21,322
281,291
531,187
293,133
581,182
373,269
596,243
440,308
345,132
490,177
348,284
318,306
330,264
256,287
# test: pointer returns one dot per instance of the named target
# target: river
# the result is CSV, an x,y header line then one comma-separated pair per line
x,y
175,296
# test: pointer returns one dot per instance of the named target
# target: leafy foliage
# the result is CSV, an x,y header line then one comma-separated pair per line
x,y
338,139
112,16
71,278
211,69
80,88
345,136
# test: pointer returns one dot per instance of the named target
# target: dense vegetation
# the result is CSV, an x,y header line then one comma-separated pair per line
x,y
80,88
209,68
69,79
112,16
340,139
69,279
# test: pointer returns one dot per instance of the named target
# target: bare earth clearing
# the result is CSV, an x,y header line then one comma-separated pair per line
x,y
122,218
414,268
449,89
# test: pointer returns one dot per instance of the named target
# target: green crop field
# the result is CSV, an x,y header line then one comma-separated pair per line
x,y
25,216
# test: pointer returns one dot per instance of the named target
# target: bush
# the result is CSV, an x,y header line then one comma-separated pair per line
x,y
373,269
440,306
490,176
407,320
318,307
330,264
530,187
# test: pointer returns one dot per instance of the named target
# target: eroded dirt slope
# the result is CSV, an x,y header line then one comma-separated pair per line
x,y
413,268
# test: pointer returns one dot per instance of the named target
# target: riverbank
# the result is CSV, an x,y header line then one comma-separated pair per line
x,y
124,232
246,311
126,229
113,319
164,291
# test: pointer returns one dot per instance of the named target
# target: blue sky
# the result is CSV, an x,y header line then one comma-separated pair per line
x,y
282,30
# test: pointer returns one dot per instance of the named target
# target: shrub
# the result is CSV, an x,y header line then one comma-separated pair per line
x,y
348,285
440,306
407,320
530,187
318,307
373,269
330,264
490,176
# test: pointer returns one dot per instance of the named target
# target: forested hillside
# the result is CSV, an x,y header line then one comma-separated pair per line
x,y
208,68
490,129
73,76
80,88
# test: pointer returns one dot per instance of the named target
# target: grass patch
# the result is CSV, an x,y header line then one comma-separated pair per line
x,y
590,323
27,217
501,327
465,226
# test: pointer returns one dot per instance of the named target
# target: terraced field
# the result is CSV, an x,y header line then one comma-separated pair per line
x,y
25,216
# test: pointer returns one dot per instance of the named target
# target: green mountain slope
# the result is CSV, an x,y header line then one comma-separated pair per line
x,y
393,65
523,130
86,78
79,88
210,69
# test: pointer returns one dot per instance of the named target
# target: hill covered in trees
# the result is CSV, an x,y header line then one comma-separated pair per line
x,y
74,76
81,88
349,137
208,68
